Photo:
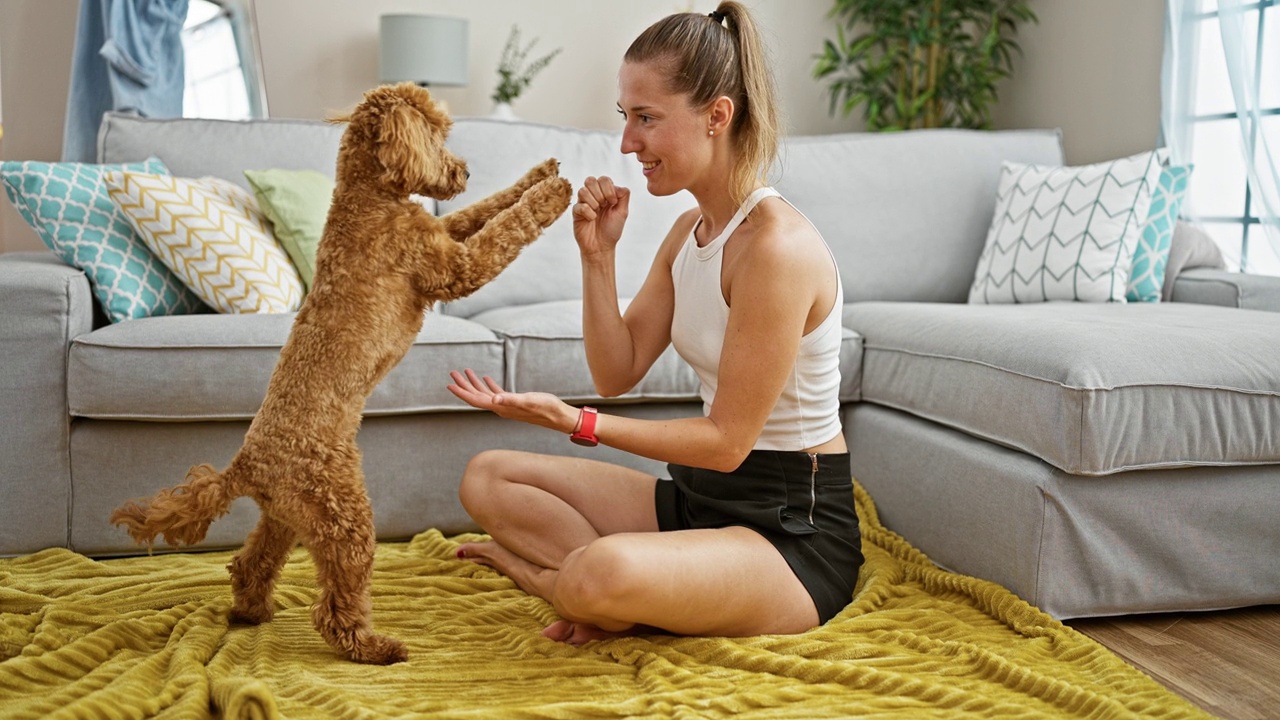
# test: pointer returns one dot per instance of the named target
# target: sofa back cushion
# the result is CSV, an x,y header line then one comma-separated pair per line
x,y
498,153
193,148
906,213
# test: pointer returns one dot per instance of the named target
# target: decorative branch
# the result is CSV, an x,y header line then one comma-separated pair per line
x,y
513,76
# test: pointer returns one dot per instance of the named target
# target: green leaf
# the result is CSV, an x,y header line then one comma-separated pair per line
x,y
881,59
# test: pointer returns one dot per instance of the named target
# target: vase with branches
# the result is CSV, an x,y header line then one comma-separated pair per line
x,y
920,63
514,75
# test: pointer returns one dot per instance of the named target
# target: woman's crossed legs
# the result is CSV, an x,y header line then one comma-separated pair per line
x,y
583,535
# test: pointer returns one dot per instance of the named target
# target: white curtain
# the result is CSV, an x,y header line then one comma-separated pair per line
x,y
1259,134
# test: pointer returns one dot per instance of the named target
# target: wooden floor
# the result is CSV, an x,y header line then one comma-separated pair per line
x,y
1227,663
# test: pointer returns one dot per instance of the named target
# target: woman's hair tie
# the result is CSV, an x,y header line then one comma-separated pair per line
x,y
717,16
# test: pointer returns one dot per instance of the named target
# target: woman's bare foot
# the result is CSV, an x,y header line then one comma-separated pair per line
x,y
533,579
576,633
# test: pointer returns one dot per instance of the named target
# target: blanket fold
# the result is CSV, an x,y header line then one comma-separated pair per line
x,y
149,637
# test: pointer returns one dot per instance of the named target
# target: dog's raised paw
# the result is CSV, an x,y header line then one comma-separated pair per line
x,y
549,199
545,169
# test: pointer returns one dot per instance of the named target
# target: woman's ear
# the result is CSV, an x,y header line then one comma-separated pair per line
x,y
721,115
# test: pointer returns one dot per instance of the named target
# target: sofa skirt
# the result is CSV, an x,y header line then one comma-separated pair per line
x,y
412,466
1184,539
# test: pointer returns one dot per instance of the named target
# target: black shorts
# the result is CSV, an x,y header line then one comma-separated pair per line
x,y
808,516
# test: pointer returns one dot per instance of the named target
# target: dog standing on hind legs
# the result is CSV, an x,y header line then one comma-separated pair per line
x,y
381,262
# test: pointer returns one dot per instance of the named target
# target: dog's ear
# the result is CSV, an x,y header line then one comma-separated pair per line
x,y
405,146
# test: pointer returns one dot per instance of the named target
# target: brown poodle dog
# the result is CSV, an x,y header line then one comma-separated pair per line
x,y
381,262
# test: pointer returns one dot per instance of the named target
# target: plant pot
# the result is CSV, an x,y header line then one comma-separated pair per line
x,y
503,111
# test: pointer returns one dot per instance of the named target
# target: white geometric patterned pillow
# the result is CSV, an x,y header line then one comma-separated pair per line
x,y
210,233
68,206
1066,233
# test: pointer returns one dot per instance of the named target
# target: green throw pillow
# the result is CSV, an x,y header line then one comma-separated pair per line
x,y
297,203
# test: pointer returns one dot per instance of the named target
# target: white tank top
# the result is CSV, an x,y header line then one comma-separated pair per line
x,y
808,411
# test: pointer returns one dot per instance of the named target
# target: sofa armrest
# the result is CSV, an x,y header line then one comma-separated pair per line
x,y
44,304
1232,289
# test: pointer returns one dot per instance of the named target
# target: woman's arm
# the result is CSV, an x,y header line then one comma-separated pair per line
x,y
773,291
621,349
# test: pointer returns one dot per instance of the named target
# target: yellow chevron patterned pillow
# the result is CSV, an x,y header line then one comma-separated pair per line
x,y
210,233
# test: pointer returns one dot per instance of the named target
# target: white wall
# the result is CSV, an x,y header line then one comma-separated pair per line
x,y
337,61
1091,67
36,37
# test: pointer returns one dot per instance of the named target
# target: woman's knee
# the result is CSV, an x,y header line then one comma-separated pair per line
x,y
481,477
598,580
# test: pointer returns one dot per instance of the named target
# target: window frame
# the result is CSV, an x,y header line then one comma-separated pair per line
x,y
1192,27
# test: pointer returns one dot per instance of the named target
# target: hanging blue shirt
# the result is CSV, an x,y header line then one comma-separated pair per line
x,y
128,57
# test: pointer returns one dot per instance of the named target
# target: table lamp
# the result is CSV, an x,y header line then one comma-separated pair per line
x,y
424,49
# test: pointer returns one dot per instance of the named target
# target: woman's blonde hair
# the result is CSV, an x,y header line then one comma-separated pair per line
x,y
705,57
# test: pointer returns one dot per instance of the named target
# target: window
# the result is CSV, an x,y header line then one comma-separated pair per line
x,y
222,75
1211,130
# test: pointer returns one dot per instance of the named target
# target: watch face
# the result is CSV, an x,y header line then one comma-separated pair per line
x,y
583,441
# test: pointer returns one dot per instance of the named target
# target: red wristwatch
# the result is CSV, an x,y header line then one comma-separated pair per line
x,y
585,435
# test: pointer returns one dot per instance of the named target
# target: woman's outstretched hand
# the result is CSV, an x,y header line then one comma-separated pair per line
x,y
599,215
537,408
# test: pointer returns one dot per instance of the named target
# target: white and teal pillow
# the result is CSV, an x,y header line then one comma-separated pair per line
x,y
1147,276
68,206
1066,233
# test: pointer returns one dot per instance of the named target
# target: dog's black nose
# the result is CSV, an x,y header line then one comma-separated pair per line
x,y
467,173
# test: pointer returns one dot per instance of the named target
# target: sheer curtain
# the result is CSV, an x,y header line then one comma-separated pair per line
x,y
1200,100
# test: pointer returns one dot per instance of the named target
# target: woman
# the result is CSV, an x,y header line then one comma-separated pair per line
x,y
757,534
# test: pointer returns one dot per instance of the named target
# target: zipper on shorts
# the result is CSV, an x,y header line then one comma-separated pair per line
x,y
813,486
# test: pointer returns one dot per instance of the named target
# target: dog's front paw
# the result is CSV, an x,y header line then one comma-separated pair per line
x,y
543,170
548,199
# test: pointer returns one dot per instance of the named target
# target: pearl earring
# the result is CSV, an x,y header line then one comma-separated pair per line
x,y
711,132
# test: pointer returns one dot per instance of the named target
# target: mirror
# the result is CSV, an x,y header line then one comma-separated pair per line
x,y
224,77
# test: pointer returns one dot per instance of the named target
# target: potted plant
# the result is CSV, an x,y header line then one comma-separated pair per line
x,y
920,63
514,75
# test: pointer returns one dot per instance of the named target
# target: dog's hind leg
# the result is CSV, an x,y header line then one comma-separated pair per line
x,y
340,538
255,569
465,222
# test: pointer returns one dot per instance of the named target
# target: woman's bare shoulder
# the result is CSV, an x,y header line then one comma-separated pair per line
x,y
780,228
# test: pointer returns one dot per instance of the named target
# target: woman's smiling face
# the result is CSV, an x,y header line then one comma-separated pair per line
x,y
668,137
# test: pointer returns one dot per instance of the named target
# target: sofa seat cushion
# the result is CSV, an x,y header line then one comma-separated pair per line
x,y
216,367
1089,388
545,353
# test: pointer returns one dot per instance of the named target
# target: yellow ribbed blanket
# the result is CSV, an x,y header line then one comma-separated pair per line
x,y
148,637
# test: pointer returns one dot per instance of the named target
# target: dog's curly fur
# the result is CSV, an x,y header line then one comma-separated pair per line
x,y
381,262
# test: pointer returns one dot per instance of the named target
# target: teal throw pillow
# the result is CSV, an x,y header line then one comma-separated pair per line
x,y
68,206
297,204
1152,256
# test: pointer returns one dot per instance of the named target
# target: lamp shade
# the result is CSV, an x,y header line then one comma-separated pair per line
x,y
425,49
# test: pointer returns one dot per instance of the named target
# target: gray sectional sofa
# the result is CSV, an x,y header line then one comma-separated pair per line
x,y
1095,459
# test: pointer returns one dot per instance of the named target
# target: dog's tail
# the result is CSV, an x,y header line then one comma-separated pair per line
x,y
181,514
